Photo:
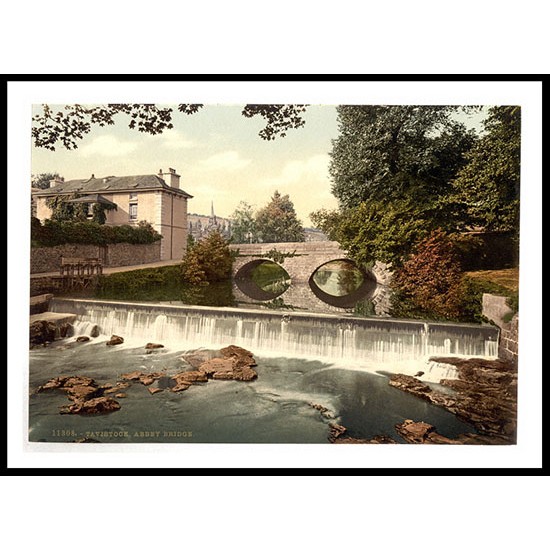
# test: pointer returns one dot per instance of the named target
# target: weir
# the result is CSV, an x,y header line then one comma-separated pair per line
x,y
369,343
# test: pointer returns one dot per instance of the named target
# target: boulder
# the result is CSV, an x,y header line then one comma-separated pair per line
x,y
83,339
235,364
109,388
98,405
153,346
82,392
135,375
115,340
414,432
197,358
41,332
411,385
181,386
323,410
485,396
65,382
336,430
217,366
146,378
65,330
95,331
152,391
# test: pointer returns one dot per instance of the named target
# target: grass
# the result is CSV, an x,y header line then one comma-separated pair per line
x,y
506,278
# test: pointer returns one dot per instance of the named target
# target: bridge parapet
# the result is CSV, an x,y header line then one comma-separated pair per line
x,y
300,260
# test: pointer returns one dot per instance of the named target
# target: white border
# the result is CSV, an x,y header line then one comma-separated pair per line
x,y
528,451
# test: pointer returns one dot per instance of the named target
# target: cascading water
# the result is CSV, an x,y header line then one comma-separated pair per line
x,y
367,344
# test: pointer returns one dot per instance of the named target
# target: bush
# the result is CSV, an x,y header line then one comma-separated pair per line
x,y
53,233
210,259
432,285
430,282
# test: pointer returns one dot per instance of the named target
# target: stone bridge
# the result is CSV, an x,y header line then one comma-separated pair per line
x,y
300,261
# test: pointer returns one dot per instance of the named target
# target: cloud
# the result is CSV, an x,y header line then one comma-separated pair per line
x,y
228,161
172,139
310,170
108,146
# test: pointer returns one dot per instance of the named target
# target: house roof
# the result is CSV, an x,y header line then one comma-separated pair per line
x,y
94,199
111,184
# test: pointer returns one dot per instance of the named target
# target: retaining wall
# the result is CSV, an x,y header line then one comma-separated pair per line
x,y
48,259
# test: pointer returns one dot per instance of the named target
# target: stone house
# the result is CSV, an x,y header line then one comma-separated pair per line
x,y
157,199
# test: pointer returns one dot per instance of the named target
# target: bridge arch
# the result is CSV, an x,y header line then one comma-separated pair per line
x,y
364,290
244,282
301,261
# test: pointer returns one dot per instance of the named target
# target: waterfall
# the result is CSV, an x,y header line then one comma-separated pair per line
x,y
368,343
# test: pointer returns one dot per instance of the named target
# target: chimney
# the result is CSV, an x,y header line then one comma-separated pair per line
x,y
56,181
170,178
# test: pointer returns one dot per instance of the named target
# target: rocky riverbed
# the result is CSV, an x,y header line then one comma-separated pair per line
x,y
87,397
484,395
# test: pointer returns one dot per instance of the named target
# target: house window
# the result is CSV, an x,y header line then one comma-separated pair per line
x,y
133,211
90,212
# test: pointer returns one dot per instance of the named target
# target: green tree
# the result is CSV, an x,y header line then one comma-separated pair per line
x,y
42,181
277,222
392,169
68,125
390,151
384,230
209,260
243,224
486,191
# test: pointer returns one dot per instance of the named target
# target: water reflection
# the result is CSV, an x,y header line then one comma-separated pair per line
x,y
262,280
341,283
338,278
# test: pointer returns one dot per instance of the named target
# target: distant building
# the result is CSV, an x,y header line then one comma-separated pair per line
x,y
315,235
201,225
156,199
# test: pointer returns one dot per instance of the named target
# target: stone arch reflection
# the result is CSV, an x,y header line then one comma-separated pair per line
x,y
262,280
341,283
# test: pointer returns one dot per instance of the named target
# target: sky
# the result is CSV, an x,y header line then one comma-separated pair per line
x,y
218,154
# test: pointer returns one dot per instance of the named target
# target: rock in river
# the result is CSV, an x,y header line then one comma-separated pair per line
x,y
115,340
92,406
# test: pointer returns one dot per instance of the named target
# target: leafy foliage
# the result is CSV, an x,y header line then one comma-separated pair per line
x,y
392,168
243,224
69,125
277,256
277,221
486,190
162,284
53,233
42,181
64,211
210,259
385,152
279,118
377,230
430,281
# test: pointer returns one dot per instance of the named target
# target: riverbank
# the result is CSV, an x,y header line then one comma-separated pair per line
x,y
484,395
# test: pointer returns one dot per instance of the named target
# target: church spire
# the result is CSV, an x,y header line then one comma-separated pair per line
x,y
212,220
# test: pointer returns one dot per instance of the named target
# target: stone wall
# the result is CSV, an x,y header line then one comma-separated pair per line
x,y
495,308
508,344
48,259
132,254
308,257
